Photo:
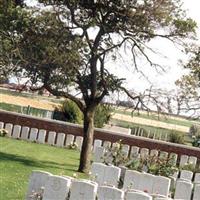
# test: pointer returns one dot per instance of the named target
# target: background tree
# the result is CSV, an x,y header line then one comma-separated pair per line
x,y
65,48
68,111
189,85
8,13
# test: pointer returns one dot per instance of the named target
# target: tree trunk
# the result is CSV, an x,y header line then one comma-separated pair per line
x,y
86,151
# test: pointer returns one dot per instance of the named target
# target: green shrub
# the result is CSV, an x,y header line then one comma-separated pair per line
x,y
69,112
175,137
189,167
115,155
72,145
196,141
156,165
3,132
194,130
102,115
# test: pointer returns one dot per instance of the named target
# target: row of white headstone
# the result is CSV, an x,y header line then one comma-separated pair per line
x,y
35,135
154,135
64,187
63,140
159,185
135,152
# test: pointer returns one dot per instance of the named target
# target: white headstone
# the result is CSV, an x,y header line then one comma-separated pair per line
x,y
134,152
97,172
60,140
163,155
109,193
146,182
161,185
25,132
33,134
132,179
125,150
106,144
166,137
154,153
160,136
16,131
98,154
173,182
144,152
183,160
8,128
197,178
112,175
1,125
36,181
192,160
97,143
105,175
183,190
138,132
79,141
137,196
56,188
173,158
187,175
41,136
196,192
69,140
83,190
51,137
175,175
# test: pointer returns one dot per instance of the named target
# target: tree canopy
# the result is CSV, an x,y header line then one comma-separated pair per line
x,y
64,46
190,84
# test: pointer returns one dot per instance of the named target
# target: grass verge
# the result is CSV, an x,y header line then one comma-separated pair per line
x,y
19,158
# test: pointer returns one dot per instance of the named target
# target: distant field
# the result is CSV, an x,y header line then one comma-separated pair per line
x,y
49,103
160,117
24,101
30,95
150,122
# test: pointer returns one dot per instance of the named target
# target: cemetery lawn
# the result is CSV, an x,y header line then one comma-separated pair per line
x,y
18,158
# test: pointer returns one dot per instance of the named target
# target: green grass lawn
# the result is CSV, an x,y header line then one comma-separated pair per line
x,y
161,118
19,158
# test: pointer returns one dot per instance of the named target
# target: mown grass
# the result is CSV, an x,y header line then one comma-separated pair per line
x,y
19,158
155,117
30,95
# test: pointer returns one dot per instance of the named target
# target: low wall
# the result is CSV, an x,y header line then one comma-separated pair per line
x,y
104,135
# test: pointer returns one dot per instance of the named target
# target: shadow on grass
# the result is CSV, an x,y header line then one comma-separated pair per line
x,y
36,163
